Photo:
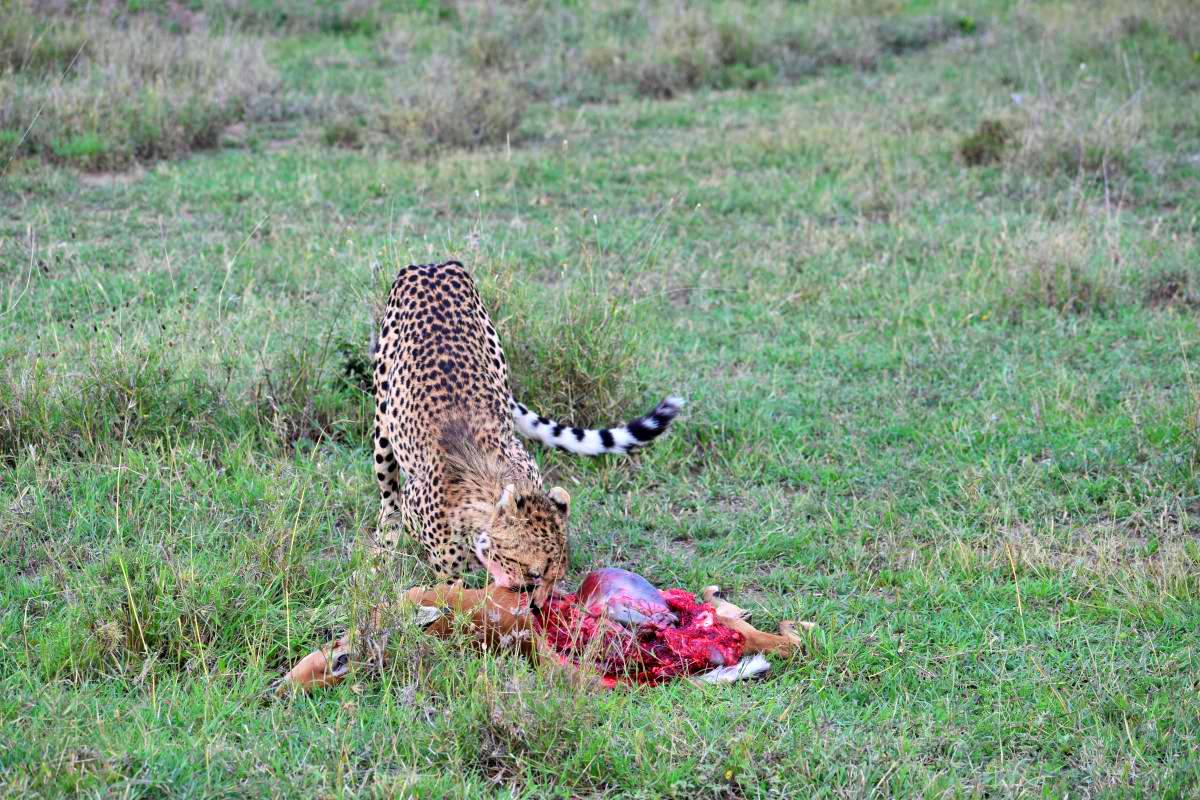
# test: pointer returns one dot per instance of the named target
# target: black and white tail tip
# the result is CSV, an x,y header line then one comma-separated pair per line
x,y
589,442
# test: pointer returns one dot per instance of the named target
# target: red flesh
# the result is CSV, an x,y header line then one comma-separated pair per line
x,y
651,652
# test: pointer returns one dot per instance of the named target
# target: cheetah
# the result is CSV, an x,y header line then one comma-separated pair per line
x,y
450,467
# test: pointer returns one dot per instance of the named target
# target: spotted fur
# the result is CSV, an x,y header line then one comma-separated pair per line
x,y
635,433
450,467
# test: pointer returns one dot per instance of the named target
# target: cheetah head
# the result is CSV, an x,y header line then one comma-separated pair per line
x,y
524,544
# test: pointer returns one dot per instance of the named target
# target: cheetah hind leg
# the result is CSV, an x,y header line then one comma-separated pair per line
x,y
391,479
392,517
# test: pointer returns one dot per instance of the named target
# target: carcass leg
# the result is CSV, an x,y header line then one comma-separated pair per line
x,y
785,643
320,668
499,618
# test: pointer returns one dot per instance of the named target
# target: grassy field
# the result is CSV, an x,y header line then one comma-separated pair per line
x,y
927,273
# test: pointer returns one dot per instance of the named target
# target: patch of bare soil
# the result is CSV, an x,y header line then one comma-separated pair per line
x,y
107,180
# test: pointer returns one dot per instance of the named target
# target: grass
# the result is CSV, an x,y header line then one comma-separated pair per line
x,y
101,96
947,407
461,75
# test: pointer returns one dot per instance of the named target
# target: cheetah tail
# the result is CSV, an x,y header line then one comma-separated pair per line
x,y
588,442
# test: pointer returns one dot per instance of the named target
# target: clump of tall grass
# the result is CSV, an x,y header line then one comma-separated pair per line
x,y
1059,269
102,95
78,405
316,390
1082,92
608,50
457,107
575,357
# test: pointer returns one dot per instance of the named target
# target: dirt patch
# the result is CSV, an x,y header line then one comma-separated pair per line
x,y
108,180
683,549
278,145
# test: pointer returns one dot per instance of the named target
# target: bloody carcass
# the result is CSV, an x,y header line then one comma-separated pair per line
x,y
618,628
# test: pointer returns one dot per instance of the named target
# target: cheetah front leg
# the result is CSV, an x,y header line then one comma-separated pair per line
x,y
444,552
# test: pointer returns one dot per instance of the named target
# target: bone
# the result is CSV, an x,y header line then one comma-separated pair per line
x,y
749,667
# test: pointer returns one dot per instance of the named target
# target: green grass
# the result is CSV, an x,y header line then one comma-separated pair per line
x,y
946,407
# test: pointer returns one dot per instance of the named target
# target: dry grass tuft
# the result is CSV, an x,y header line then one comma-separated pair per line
x,y
1060,270
134,94
1080,134
689,50
30,44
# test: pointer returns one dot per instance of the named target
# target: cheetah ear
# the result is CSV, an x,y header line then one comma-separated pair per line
x,y
560,498
506,497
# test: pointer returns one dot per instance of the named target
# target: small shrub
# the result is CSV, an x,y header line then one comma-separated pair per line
x,y
736,44
304,393
342,133
684,55
740,76
9,142
490,49
357,368
986,145
1170,290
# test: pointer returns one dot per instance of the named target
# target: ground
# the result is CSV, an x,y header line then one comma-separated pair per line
x,y
934,306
